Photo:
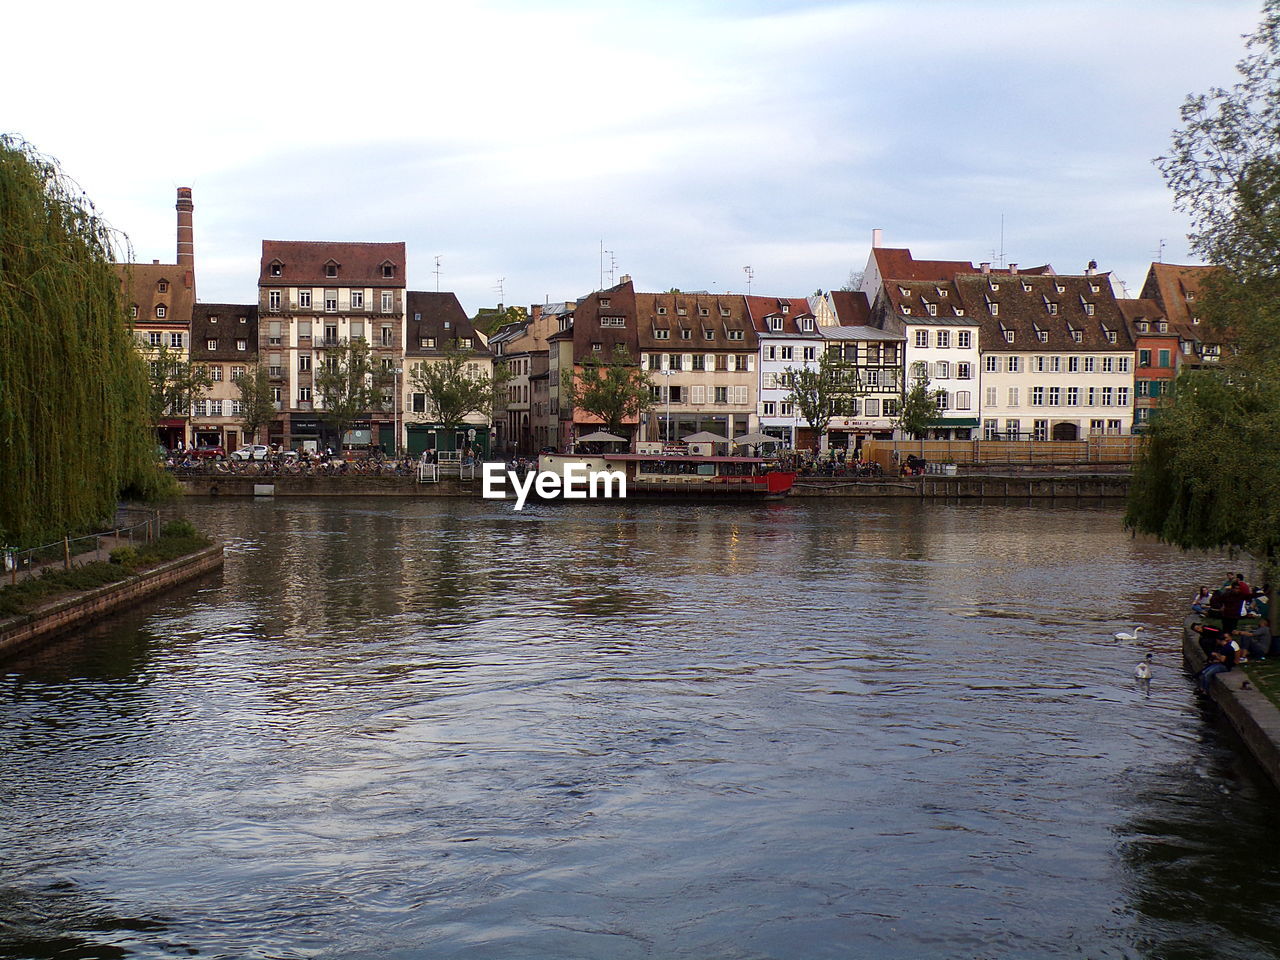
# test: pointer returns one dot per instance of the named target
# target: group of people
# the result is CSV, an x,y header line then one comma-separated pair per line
x,y
1230,644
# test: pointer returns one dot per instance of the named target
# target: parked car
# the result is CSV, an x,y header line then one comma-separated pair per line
x,y
252,451
207,452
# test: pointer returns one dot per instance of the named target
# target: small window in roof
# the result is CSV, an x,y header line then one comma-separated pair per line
x,y
330,269
276,268
388,270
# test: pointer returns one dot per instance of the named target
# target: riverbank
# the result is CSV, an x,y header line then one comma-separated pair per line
x,y
64,614
1067,486
1252,714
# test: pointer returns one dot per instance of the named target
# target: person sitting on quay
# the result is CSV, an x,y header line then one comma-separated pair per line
x,y
1256,640
1200,602
1209,636
1222,659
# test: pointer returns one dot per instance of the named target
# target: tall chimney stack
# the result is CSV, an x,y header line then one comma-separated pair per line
x,y
186,237
877,238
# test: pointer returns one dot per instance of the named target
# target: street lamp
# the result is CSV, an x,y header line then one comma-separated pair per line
x,y
395,409
667,374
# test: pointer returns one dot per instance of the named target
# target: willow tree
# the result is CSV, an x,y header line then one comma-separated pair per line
x,y
74,426
1209,471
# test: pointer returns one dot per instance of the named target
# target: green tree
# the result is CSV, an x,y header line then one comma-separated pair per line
x,y
821,392
1209,469
257,403
613,389
919,407
456,386
349,384
74,427
175,383
488,320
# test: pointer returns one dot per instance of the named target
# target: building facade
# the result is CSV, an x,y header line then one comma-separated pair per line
x,y
224,343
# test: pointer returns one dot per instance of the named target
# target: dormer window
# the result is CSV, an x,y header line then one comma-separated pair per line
x,y
708,334
276,268
661,333
1008,336
1026,287
1094,288
1162,326
786,308
1111,336
331,268
724,311
906,308
162,286
1190,295
959,311
161,311
686,333
775,324
994,286
604,302
133,310
388,270
662,311
1077,336
993,307
932,308
704,312
1051,307
1060,288
1088,309
903,292
939,291
1143,326
807,324
1195,320
1042,336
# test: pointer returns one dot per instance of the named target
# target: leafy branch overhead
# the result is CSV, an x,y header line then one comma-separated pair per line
x,y
456,386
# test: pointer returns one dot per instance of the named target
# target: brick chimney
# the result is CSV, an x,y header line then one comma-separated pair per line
x,y
877,237
186,238
1013,269
986,266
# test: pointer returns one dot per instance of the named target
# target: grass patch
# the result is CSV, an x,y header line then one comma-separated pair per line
x,y
1266,677
178,539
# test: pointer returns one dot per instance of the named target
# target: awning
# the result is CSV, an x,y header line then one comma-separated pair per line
x,y
958,423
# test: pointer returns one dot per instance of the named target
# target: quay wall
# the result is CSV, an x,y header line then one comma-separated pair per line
x,y
82,609
1250,712
1014,487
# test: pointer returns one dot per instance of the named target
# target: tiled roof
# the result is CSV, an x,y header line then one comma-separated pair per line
x,y
438,317
762,311
852,307
304,262
1044,312
1148,312
898,264
587,330
698,313
224,323
913,301
140,286
1177,287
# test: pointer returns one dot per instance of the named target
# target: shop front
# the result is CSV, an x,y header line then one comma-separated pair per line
x,y
171,432
441,438
952,428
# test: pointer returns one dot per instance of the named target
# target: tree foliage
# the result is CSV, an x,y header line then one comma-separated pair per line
x,y
615,390
919,407
349,384
1209,471
175,383
488,320
456,386
257,403
821,392
74,429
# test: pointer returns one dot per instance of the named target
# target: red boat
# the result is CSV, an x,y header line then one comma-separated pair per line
x,y
678,476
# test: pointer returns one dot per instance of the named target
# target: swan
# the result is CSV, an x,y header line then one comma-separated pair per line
x,y
1143,670
1128,636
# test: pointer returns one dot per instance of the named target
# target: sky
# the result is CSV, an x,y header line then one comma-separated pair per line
x,y
688,140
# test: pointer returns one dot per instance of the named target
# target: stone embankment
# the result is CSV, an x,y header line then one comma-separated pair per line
x,y
1255,718
84,609
1012,487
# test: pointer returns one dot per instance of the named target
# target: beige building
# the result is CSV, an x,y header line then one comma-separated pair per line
x,y
224,341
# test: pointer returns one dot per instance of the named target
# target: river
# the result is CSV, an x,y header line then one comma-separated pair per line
x,y
404,729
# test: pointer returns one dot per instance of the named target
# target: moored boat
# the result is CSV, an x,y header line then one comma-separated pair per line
x,y
674,476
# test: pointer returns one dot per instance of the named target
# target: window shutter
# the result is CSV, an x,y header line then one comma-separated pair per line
x,y
751,362
711,361
666,361
274,330
699,395
740,394
686,361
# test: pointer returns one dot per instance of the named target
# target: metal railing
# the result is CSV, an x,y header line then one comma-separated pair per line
x,y
130,526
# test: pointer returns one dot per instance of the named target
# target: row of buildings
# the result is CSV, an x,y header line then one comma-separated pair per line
x,y
1011,353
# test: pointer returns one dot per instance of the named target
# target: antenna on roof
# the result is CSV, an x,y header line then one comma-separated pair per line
x,y
437,272
613,266
498,287
1002,263
751,275
601,287
1160,251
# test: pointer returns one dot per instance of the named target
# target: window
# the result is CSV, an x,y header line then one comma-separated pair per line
x,y
161,311
1088,364
963,401
1037,396
1012,429
162,286
237,407
1166,358
215,408
1042,336
686,333
388,337
304,329
992,363
768,408
1052,308
662,334
807,324
133,310
993,308
211,344
276,394
276,269
931,308
784,408
964,371
613,321
1073,396
330,269
1008,336
175,340
304,394
200,408
871,406
215,373
1055,364
1162,327
304,299
1106,396
1040,429
1077,336
1013,396
990,429
673,361
922,338
1088,309
155,338
992,393
330,333
771,352
242,345
331,301
722,395
919,370
788,353
274,333
963,339
1091,398
1037,364
662,311
1111,336
1055,396
604,301
273,300
943,400
1108,365
741,363
1015,364
708,334
810,353
1144,358
597,347
700,361
357,300
1114,427
704,312
304,363
944,339
1122,396
942,370
775,324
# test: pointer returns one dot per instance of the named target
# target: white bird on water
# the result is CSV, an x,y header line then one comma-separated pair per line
x,y
1143,670
1128,636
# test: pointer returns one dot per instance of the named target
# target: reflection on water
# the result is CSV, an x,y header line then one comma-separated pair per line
x,y
411,729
